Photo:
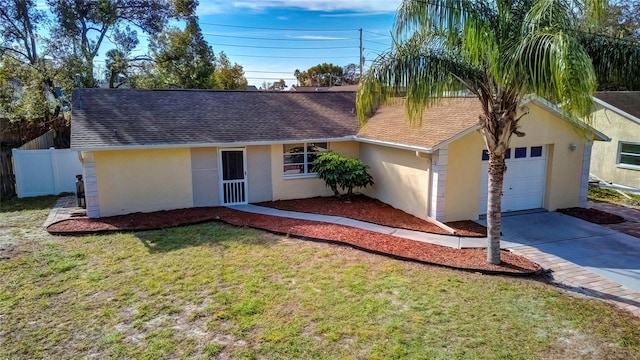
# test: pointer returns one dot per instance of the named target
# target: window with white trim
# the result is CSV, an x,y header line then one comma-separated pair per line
x,y
298,158
629,154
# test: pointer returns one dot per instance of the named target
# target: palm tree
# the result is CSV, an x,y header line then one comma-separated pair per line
x,y
501,51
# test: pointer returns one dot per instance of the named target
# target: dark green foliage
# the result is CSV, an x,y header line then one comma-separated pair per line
x,y
342,172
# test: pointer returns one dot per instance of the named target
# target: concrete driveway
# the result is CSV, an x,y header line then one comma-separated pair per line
x,y
606,252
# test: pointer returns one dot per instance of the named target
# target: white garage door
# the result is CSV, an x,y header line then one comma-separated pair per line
x,y
523,186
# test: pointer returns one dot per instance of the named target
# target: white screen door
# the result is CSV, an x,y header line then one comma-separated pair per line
x,y
233,184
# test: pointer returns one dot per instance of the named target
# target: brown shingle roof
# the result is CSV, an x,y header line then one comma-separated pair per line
x,y
627,101
439,123
122,117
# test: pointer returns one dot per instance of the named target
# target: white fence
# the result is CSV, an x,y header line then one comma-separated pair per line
x,y
45,172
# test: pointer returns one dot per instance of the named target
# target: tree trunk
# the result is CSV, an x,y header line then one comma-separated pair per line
x,y
497,169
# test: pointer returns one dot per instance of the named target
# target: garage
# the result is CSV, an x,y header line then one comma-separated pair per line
x,y
524,181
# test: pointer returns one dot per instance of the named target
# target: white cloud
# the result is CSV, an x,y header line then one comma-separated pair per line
x,y
356,6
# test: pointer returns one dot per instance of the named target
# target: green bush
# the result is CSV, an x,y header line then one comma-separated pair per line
x,y
342,172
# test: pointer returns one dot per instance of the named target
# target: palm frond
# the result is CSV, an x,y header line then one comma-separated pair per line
x,y
421,69
553,65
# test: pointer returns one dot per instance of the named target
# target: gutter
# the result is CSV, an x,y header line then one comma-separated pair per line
x,y
394,145
204,145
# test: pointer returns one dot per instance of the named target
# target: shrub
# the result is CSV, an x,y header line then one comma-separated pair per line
x,y
342,172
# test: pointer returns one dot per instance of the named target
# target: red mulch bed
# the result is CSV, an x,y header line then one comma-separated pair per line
x,y
467,259
593,215
364,208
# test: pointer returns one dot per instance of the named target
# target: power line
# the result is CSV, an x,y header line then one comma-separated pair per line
x,y
284,47
276,39
375,33
276,29
290,57
376,42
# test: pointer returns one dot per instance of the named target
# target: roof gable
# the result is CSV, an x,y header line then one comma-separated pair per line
x,y
626,103
440,123
150,118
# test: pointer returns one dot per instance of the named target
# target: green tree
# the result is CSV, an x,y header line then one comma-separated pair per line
x,y
500,51
27,77
183,58
86,23
319,75
228,76
350,74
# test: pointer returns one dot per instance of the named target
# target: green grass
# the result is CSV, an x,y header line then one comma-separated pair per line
x,y
613,196
212,290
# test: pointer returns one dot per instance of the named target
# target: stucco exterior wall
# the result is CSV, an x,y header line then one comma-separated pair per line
x,y
564,167
143,180
259,173
204,176
401,178
463,178
306,186
604,155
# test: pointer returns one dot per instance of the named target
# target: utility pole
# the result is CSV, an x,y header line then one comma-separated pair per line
x,y
361,50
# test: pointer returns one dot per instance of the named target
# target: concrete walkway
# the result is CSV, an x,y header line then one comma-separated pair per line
x,y
456,242
582,257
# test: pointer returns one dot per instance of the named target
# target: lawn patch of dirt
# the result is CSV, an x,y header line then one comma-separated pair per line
x,y
468,259
364,208
593,215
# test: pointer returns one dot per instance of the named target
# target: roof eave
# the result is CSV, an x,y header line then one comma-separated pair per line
x,y
203,145
394,145
456,137
616,110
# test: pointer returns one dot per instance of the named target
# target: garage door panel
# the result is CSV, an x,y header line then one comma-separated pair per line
x,y
524,181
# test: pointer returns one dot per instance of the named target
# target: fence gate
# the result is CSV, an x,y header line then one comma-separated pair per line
x,y
233,183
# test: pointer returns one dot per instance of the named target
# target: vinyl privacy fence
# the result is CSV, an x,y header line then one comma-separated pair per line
x,y
45,172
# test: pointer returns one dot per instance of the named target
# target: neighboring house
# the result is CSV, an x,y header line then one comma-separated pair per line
x,y
148,150
296,88
618,115
352,88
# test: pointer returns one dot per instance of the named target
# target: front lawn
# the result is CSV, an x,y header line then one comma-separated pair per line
x,y
212,290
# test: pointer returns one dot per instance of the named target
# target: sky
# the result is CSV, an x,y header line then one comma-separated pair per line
x,y
273,38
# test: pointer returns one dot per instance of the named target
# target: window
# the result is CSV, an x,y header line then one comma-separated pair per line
x,y
521,152
536,151
485,154
298,158
629,154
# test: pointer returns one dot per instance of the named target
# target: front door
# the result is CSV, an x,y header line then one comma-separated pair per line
x,y
233,184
